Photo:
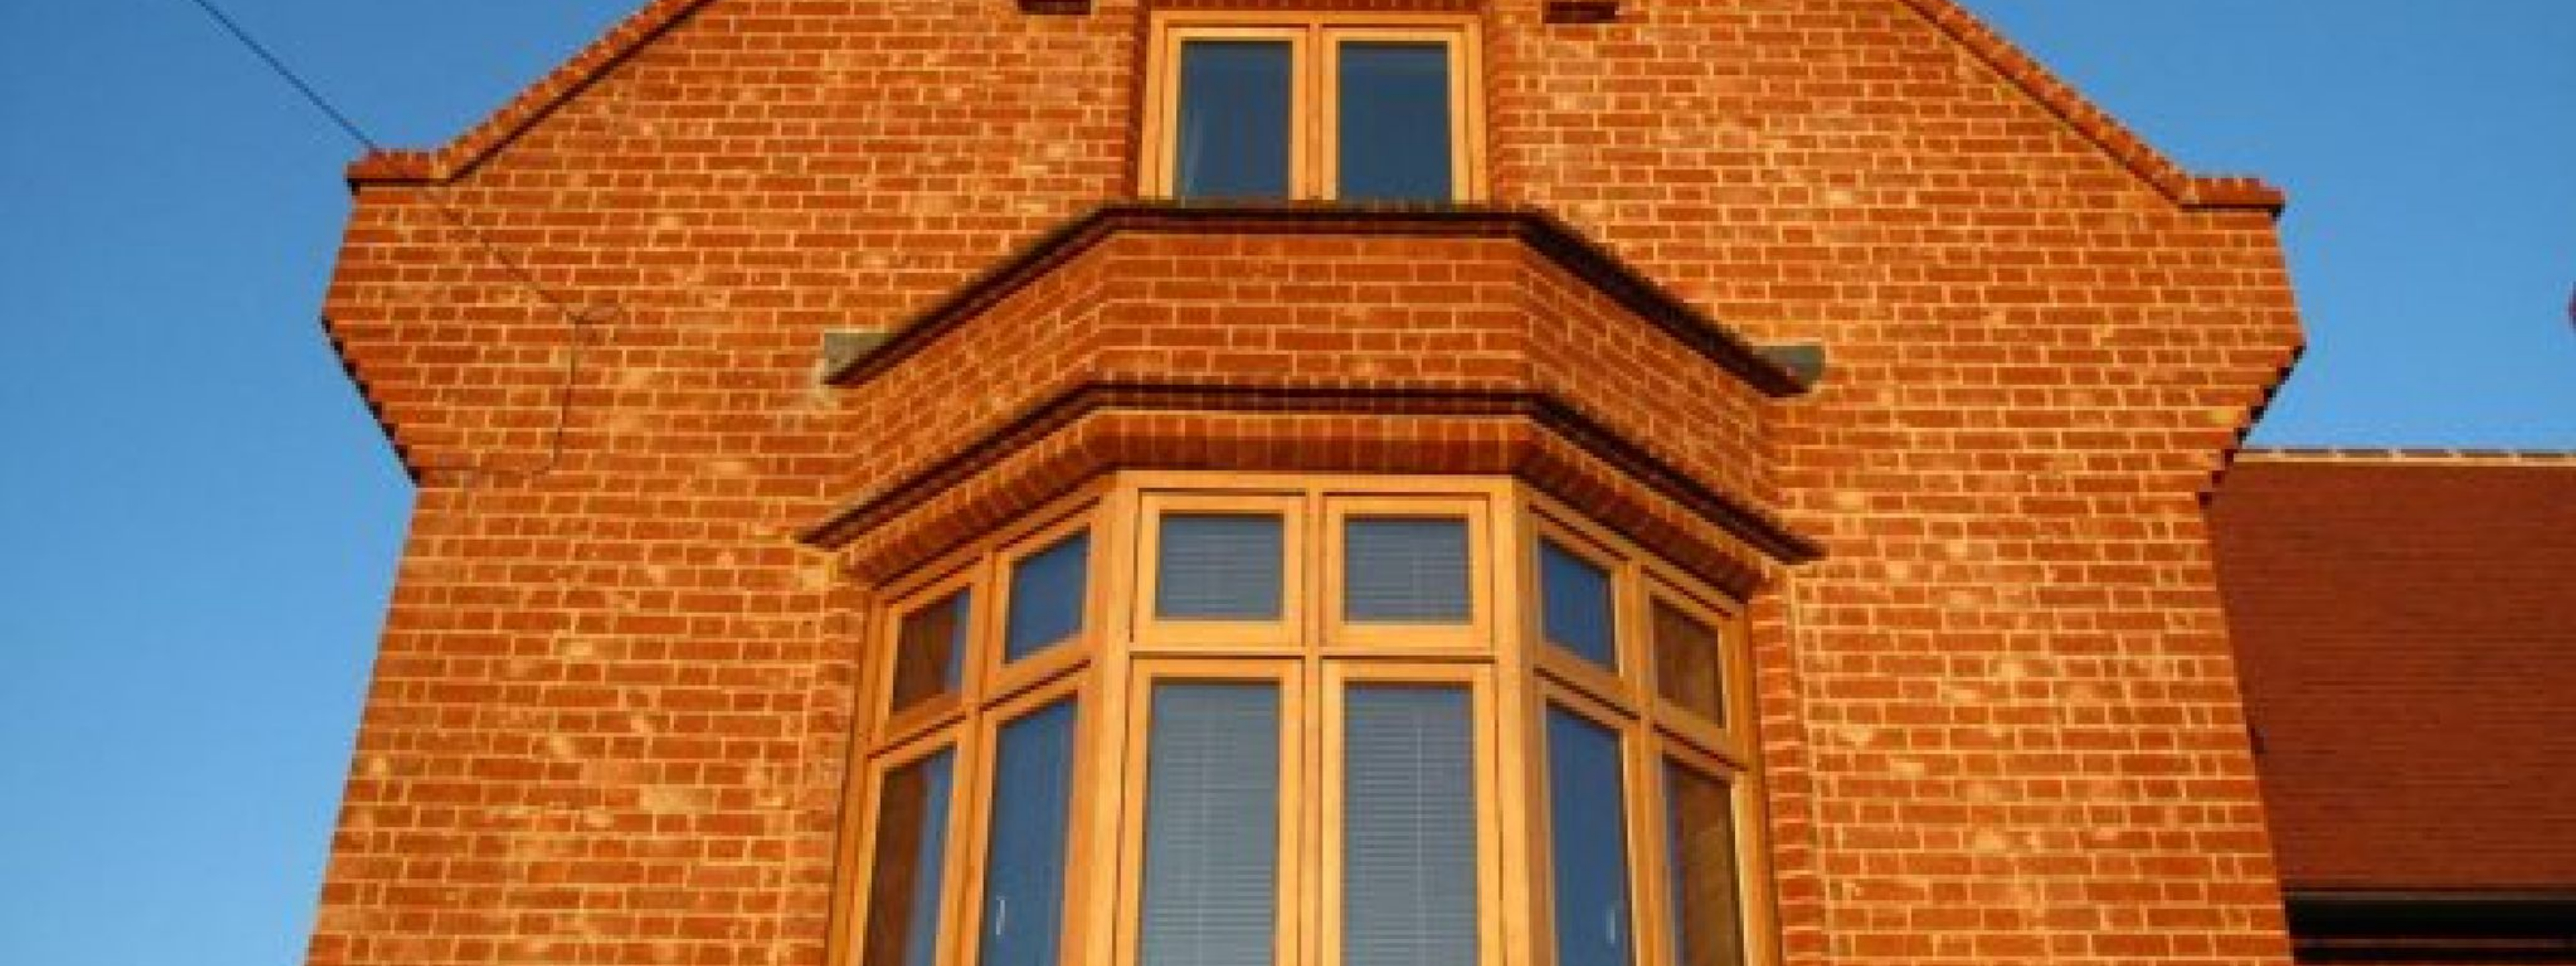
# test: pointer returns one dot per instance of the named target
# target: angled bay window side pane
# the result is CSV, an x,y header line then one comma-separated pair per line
x,y
1587,843
1690,661
1220,567
1575,610
1209,890
1409,827
930,650
1047,590
1396,135
1400,570
1233,134
1699,831
1024,868
911,842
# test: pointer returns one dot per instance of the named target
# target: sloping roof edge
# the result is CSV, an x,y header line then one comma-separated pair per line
x,y
461,154
2190,191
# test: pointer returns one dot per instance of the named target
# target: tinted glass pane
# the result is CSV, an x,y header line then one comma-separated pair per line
x,y
1219,566
1574,604
1699,821
912,836
1588,842
1688,665
1046,597
1394,110
1024,866
1408,828
1399,570
1232,139
930,650
1211,826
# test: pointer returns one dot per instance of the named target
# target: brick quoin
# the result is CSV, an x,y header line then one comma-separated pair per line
x,y
610,720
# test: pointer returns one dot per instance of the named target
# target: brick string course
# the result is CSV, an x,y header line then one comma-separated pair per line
x,y
610,717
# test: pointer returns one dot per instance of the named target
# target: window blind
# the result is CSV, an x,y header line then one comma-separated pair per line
x,y
1025,861
1211,826
1408,827
1588,844
1405,570
1219,566
1046,597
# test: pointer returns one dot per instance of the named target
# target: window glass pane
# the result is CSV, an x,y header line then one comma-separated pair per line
x,y
1024,864
1232,137
930,650
1574,605
1398,570
1394,112
912,836
1046,597
1588,842
1408,828
1219,566
1688,663
1699,821
1211,826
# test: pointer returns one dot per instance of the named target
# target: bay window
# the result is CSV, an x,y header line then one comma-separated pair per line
x,y
1232,721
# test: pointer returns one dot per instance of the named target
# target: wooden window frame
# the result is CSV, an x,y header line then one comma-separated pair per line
x,y
850,927
1332,791
968,926
942,711
1727,738
1315,59
1341,634
1289,676
1313,656
1757,915
1003,677
1284,635
1617,685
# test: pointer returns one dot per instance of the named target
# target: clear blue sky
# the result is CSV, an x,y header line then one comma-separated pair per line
x,y
201,519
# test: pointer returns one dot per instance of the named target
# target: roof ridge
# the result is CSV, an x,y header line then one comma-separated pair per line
x,y
2191,191
2412,455
523,110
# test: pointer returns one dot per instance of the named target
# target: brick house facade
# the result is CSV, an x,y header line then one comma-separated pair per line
x,y
1992,705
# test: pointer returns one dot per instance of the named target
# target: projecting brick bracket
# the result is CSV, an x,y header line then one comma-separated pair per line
x,y
1804,361
1055,7
845,347
1582,11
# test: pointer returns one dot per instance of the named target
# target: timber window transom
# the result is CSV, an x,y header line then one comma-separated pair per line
x,y
1346,107
1199,720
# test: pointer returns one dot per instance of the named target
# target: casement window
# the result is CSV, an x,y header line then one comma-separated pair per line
x,y
1341,721
1648,757
973,769
1346,107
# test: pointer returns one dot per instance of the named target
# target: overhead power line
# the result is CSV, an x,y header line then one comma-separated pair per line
x,y
579,319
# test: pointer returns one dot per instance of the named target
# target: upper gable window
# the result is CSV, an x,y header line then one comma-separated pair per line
x,y
1341,107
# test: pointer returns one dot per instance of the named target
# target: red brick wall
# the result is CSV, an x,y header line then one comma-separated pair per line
x,y
608,721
